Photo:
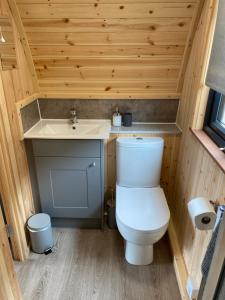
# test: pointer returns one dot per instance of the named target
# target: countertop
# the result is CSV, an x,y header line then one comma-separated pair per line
x,y
93,129
156,128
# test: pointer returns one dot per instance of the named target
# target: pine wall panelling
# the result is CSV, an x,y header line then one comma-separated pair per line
x,y
25,79
7,58
15,185
108,49
197,173
9,285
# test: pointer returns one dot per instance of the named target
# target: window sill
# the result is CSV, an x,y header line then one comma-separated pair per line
x,y
213,150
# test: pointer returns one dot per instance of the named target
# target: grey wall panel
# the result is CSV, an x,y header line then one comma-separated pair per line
x,y
159,110
30,115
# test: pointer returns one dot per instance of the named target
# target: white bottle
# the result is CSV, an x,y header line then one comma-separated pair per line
x,y
117,118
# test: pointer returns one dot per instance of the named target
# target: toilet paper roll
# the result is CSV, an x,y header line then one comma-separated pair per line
x,y
202,213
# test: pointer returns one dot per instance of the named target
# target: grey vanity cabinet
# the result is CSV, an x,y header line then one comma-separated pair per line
x,y
70,187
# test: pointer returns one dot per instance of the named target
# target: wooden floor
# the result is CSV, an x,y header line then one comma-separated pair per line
x,y
90,265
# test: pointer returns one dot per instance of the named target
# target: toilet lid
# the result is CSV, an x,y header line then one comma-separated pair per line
x,y
142,208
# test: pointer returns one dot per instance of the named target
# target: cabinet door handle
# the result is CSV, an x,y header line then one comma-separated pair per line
x,y
92,165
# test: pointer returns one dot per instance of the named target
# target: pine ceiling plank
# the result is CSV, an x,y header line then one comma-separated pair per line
x,y
113,11
141,94
80,62
109,73
52,2
107,25
102,50
107,85
73,39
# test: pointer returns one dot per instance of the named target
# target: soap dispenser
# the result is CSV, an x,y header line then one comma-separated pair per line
x,y
117,118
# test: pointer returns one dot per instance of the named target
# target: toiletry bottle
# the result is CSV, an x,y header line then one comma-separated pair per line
x,y
117,118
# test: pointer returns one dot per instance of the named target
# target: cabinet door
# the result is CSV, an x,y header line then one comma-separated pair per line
x,y
70,187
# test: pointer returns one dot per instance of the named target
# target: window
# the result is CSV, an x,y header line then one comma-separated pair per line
x,y
214,124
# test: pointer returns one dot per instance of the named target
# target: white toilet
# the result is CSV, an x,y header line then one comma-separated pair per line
x,y
142,213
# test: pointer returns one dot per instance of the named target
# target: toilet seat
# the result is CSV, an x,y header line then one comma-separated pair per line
x,y
142,209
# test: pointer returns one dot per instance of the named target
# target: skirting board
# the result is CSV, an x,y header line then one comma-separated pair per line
x,y
178,262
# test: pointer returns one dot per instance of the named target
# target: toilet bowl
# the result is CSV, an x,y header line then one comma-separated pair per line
x,y
142,217
142,213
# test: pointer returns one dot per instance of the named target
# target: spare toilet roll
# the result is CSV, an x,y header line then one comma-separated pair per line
x,y
202,213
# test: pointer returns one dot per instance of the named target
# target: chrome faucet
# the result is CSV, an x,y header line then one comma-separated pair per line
x,y
73,115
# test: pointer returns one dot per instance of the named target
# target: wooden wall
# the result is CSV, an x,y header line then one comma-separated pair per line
x,y
109,49
171,150
10,289
7,58
15,185
197,173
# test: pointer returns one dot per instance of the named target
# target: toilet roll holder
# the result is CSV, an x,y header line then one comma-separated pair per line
x,y
219,209
217,206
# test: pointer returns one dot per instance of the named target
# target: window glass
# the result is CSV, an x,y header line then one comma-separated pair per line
x,y
221,112
214,124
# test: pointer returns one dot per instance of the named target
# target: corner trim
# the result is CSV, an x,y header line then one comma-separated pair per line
x,y
19,105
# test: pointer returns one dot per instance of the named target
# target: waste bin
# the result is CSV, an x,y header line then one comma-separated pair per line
x,y
111,211
39,226
111,215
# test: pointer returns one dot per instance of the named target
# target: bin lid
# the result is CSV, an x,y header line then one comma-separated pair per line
x,y
39,221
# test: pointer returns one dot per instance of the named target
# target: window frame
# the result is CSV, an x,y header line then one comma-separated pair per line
x,y
211,125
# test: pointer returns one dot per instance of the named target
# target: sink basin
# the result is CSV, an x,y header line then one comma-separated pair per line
x,y
63,129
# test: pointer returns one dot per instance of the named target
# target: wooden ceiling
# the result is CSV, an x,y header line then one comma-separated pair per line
x,y
109,48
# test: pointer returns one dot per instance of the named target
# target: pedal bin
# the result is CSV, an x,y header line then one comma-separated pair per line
x,y
40,229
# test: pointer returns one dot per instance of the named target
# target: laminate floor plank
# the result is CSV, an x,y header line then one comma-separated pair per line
x,y
90,265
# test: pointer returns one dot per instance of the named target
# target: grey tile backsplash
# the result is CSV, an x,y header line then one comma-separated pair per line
x,y
30,115
142,110
162,111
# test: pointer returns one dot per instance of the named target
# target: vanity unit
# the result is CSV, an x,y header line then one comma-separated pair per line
x,y
70,177
70,172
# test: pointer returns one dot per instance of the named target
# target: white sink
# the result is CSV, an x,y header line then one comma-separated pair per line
x,y
63,129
